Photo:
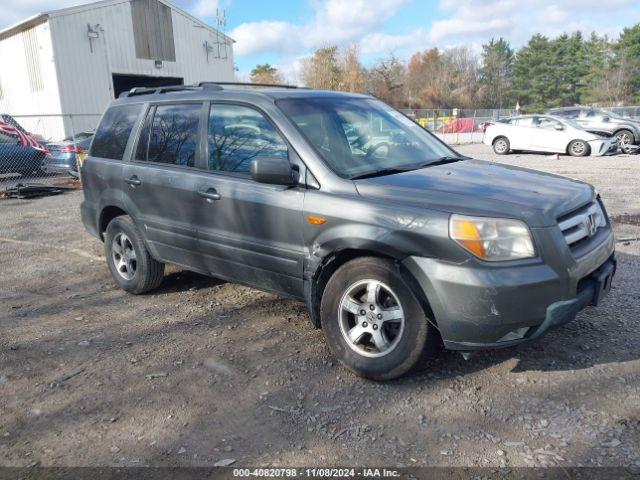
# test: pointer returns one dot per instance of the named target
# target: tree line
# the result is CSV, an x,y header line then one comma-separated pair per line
x,y
546,72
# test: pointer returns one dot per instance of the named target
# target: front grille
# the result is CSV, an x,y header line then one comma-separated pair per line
x,y
582,224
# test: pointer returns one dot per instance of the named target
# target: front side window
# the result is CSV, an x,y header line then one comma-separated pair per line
x,y
239,134
110,140
361,137
524,122
173,135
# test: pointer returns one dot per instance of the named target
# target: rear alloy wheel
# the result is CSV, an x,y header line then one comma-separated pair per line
x,y
501,145
578,148
131,265
625,137
372,321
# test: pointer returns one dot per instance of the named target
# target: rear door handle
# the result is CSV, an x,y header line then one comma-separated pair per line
x,y
209,194
133,181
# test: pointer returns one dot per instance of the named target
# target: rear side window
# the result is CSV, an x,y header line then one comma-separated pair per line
x,y
113,133
237,135
172,135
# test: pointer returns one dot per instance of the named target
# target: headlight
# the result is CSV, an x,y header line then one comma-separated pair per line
x,y
492,239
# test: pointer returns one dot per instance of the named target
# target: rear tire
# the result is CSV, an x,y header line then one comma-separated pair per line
x,y
129,261
501,145
578,148
389,338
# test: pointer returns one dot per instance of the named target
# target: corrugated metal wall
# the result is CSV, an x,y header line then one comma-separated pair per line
x,y
29,82
85,75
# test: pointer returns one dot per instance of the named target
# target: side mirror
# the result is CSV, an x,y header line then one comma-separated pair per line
x,y
559,127
272,170
606,119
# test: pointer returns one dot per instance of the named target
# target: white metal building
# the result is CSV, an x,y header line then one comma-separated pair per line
x,y
75,60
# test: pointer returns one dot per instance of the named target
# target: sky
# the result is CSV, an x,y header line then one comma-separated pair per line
x,y
285,32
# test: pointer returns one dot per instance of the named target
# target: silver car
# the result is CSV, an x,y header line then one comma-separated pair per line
x,y
601,121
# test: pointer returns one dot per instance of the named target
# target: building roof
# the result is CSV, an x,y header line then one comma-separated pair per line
x,y
39,18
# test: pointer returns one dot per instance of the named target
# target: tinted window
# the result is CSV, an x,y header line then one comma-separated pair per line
x,y
174,134
113,133
239,134
568,113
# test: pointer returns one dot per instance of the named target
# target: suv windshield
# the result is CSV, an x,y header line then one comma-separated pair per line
x,y
360,137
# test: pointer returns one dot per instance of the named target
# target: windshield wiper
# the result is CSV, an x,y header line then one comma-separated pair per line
x,y
392,170
384,171
444,160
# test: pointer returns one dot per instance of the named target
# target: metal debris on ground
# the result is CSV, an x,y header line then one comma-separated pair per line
x,y
34,190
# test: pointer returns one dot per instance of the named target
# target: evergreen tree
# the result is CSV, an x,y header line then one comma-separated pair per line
x,y
627,60
534,85
265,73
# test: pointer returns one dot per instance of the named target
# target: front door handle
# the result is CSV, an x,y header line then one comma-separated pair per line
x,y
133,181
210,194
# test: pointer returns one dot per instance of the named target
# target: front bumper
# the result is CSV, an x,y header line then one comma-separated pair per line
x,y
478,306
604,146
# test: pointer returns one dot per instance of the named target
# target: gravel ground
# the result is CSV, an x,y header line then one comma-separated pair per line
x,y
202,372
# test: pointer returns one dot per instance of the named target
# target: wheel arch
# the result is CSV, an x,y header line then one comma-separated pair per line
x,y
623,128
497,137
317,280
107,214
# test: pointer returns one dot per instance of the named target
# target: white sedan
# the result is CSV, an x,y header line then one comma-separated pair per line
x,y
546,133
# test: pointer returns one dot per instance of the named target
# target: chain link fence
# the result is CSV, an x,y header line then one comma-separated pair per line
x,y
43,149
457,125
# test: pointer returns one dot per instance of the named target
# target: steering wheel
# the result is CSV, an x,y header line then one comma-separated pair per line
x,y
375,147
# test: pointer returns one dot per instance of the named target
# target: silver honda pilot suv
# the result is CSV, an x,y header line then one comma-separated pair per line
x,y
395,242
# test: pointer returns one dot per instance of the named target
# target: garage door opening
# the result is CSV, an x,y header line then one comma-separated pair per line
x,y
124,83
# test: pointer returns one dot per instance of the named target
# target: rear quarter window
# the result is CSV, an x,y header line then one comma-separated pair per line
x,y
113,133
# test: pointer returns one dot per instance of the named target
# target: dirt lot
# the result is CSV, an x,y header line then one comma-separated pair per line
x,y
203,371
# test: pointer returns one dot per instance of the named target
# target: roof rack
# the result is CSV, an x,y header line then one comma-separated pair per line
x,y
171,88
248,84
200,86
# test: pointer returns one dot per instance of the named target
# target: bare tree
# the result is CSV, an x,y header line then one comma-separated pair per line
x,y
322,69
387,79
352,73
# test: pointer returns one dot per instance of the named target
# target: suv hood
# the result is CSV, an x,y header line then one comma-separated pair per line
x,y
476,187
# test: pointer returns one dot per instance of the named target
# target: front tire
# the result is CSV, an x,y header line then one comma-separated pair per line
x,y
373,323
578,148
501,145
625,137
130,263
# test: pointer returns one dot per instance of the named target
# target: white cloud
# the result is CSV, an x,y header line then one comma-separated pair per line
x,y
381,42
479,20
205,8
266,36
333,22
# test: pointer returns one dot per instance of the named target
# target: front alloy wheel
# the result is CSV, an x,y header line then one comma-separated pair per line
x,y
374,324
371,318
625,137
